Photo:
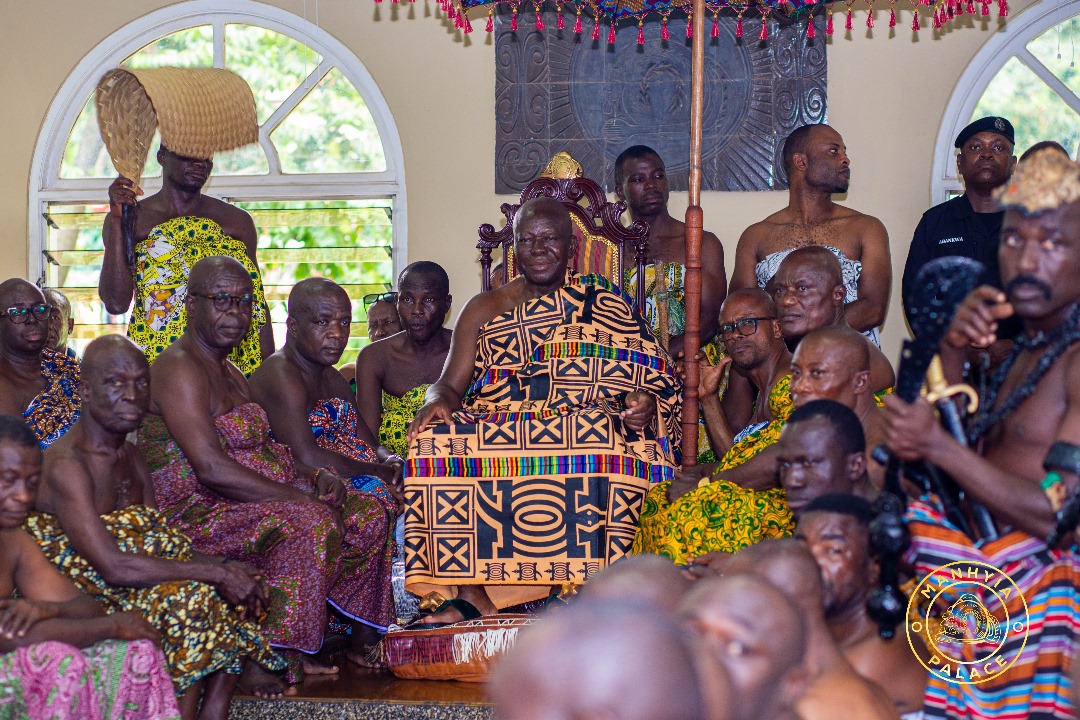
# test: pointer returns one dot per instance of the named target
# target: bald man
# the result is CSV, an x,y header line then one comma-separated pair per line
x,y
539,413
649,578
36,383
61,323
836,530
581,662
759,637
815,159
808,289
219,478
96,520
835,689
834,364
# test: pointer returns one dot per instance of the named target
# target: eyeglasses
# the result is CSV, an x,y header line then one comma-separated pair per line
x,y
21,315
744,326
223,301
369,300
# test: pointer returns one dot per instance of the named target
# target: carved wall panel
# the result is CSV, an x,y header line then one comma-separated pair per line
x,y
558,91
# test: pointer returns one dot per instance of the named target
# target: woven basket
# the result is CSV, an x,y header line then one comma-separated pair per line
x,y
464,651
198,111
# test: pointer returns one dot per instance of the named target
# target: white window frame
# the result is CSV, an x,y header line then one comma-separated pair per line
x,y
46,185
1011,41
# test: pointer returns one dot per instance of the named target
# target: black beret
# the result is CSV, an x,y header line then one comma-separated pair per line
x,y
998,125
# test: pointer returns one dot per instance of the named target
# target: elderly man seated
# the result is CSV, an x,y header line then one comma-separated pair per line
x,y
37,383
220,479
555,412
96,521
43,672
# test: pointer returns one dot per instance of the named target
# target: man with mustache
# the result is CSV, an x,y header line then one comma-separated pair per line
x,y
36,383
968,225
817,166
1022,458
175,228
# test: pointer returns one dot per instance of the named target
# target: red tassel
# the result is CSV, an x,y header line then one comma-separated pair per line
x,y
715,32
640,34
490,23
513,21
870,18
959,7
971,7
611,34
915,23
561,25
458,24
847,25
828,24
738,27
689,26
466,23
1003,8
664,34
596,28
764,30
892,17
539,21
577,23
986,8
811,33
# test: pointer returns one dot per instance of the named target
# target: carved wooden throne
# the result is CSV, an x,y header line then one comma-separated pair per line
x,y
602,244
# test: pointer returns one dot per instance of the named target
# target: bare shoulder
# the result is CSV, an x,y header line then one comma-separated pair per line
x,y
234,222
273,369
484,307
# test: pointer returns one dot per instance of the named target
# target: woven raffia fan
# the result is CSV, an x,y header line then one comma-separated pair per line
x,y
198,111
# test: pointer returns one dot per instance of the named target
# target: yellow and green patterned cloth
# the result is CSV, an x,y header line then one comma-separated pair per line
x,y
163,263
721,516
397,413
200,632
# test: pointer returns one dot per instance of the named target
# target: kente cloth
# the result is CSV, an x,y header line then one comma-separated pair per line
x,y
201,634
665,311
56,408
334,423
538,482
1037,685
721,516
163,262
296,545
112,680
397,413
851,271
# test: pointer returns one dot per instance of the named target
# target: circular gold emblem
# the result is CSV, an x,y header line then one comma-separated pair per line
x,y
973,620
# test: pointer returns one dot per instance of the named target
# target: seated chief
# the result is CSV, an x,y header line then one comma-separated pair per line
x,y
219,478
556,411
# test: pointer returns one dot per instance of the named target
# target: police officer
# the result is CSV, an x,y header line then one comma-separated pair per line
x,y
969,225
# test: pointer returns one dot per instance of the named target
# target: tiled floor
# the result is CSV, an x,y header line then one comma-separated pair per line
x,y
358,694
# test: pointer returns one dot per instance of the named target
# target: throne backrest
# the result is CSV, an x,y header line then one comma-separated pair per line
x,y
602,244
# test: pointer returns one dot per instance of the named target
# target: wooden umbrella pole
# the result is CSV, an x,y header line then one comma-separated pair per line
x,y
692,278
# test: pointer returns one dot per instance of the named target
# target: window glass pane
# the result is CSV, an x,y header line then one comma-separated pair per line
x,y
193,47
1056,49
330,131
84,155
273,64
1036,112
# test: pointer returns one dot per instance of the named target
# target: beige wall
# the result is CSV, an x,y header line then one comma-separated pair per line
x,y
886,96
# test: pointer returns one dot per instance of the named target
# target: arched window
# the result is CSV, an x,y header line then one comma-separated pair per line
x,y
324,185
1028,73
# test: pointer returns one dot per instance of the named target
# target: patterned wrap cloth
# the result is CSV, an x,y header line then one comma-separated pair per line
x,y
163,262
305,559
665,310
56,408
334,423
850,270
721,516
111,680
1037,685
397,413
539,482
200,632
